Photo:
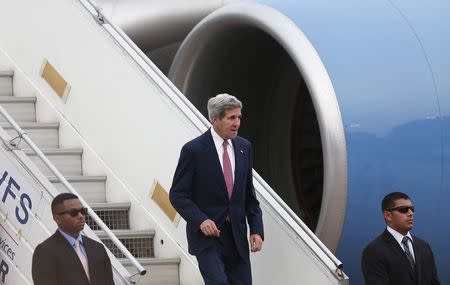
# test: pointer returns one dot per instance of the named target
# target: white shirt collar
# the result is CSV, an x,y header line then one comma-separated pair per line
x,y
398,236
218,140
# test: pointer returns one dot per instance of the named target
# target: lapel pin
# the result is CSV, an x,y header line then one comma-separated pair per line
x,y
242,151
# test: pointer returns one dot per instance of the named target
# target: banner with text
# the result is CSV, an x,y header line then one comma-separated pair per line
x,y
22,196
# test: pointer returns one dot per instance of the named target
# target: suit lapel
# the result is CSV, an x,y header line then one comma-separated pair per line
x,y
238,164
418,259
73,259
88,247
397,249
213,160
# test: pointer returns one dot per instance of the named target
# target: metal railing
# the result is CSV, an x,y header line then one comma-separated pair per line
x,y
199,121
23,135
339,265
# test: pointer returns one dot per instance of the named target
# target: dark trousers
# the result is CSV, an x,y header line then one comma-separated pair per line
x,y
221,264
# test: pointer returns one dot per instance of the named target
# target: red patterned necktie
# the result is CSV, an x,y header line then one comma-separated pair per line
x,y
227,172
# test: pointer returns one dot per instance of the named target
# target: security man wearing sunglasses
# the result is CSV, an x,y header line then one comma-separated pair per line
x,y
396,257
67,257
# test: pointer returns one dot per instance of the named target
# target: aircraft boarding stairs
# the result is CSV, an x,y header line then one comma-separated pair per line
x,y
162,271
122,87
91,188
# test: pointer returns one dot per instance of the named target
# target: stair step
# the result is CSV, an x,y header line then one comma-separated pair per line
x,y
44,135
91,188
22,109
153,261
114,215
110,206
6,73
67,161
6,83
160,271
139,243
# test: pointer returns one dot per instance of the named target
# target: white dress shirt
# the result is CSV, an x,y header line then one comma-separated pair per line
x,y
399,237
218,142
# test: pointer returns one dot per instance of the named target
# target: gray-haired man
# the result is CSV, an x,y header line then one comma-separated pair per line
x,y
213,191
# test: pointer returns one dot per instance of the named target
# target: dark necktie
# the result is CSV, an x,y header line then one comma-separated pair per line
x,y
407,251
227,172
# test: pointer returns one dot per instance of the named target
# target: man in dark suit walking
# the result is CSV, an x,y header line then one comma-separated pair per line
x,y
67,257
396,257
213,191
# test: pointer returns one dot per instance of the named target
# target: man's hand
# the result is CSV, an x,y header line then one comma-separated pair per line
x,y
209,228
255,242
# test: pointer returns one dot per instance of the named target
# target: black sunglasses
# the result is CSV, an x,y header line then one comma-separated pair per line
x,y
75,212
402,209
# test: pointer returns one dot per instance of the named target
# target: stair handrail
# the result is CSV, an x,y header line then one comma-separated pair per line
x,y
339,265
23,135
199,121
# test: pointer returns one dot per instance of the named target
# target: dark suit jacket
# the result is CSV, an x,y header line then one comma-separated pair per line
x,y
199,192
55,262
384,263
